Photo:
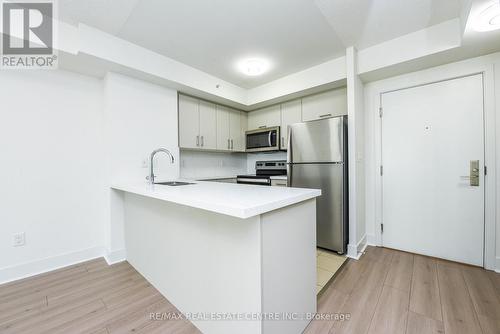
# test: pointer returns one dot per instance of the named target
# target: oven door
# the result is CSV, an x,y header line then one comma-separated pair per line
x,y
263,140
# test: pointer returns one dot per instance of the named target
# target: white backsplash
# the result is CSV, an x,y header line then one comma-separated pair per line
x,y
198,165
253,157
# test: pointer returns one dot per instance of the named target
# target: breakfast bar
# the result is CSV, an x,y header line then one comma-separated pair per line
x,y
232,258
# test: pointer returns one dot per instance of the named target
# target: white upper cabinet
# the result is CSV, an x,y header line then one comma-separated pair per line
x,y
329,104
230,129
189,122
223,137
291,112
208,125
243,130
264,118
235,130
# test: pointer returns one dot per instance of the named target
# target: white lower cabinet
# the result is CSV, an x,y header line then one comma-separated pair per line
x,y
278,183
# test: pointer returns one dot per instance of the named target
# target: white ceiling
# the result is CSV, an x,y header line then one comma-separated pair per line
x,y
212,35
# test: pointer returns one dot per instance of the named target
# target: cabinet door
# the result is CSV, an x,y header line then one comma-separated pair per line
x,y
264,118
188,122
329,104
223,139
208,125
291,112
235,130
243,129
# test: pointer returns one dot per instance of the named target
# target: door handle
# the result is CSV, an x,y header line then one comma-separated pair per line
x,y
202,141
262,127
228,144
325,115
197,140
474,173
473,176
232,146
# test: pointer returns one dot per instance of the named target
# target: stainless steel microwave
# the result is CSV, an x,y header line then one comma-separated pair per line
x,y
262,140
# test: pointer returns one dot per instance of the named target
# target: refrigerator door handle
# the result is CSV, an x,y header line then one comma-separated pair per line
x,y
289,173
289,156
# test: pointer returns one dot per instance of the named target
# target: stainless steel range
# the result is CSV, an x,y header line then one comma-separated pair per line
x,y
264,170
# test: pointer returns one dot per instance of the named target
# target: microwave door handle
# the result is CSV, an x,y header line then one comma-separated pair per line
x,y
269,138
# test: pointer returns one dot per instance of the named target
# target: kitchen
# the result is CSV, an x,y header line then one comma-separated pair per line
x,y
220,174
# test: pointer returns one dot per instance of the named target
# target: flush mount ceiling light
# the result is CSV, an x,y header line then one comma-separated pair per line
x,y
489,18
253,66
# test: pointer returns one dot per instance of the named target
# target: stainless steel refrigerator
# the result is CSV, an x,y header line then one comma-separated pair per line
x,y
317,158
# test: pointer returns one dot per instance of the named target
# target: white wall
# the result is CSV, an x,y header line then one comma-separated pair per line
x,y
199,165
497,94
140,117
372,140
52,180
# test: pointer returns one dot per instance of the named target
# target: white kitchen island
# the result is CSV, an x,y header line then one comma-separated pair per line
x,y
233,258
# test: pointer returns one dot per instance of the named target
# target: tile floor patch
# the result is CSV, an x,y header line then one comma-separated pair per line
x,y
327,264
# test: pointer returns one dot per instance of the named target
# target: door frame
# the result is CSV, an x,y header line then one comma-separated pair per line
x,y
434,75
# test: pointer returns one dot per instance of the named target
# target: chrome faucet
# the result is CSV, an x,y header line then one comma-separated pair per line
x,y
151,177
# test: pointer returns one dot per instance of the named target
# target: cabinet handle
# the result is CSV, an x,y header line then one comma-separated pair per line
x,y
282,142
202,141
325,115
228,144
262,127
232,146
197,140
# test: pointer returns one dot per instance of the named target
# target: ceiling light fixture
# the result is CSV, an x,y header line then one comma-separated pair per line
x,y
253,66
489,18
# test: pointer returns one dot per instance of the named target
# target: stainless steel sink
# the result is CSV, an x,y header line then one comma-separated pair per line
x,y
173,183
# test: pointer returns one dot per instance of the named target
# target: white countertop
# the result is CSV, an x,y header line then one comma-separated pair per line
x,y
237,200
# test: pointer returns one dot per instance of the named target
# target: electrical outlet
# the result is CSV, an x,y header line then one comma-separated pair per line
x,y
18,239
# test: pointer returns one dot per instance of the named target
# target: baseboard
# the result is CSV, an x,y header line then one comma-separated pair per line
x,y
355,251
28,269
497,267
362,244
115,256
371,240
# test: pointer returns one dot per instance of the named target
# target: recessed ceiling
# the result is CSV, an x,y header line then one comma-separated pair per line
x,y
293,35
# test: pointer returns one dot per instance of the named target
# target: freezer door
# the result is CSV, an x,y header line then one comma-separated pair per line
x,y
317,141
330,207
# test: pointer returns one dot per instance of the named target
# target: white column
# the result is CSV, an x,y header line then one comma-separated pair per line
x,y
355,113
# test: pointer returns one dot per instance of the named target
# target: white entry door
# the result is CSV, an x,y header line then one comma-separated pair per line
x,y
431,135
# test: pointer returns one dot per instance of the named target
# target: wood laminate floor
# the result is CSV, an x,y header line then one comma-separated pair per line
x,y
92,298
386,291
394,292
